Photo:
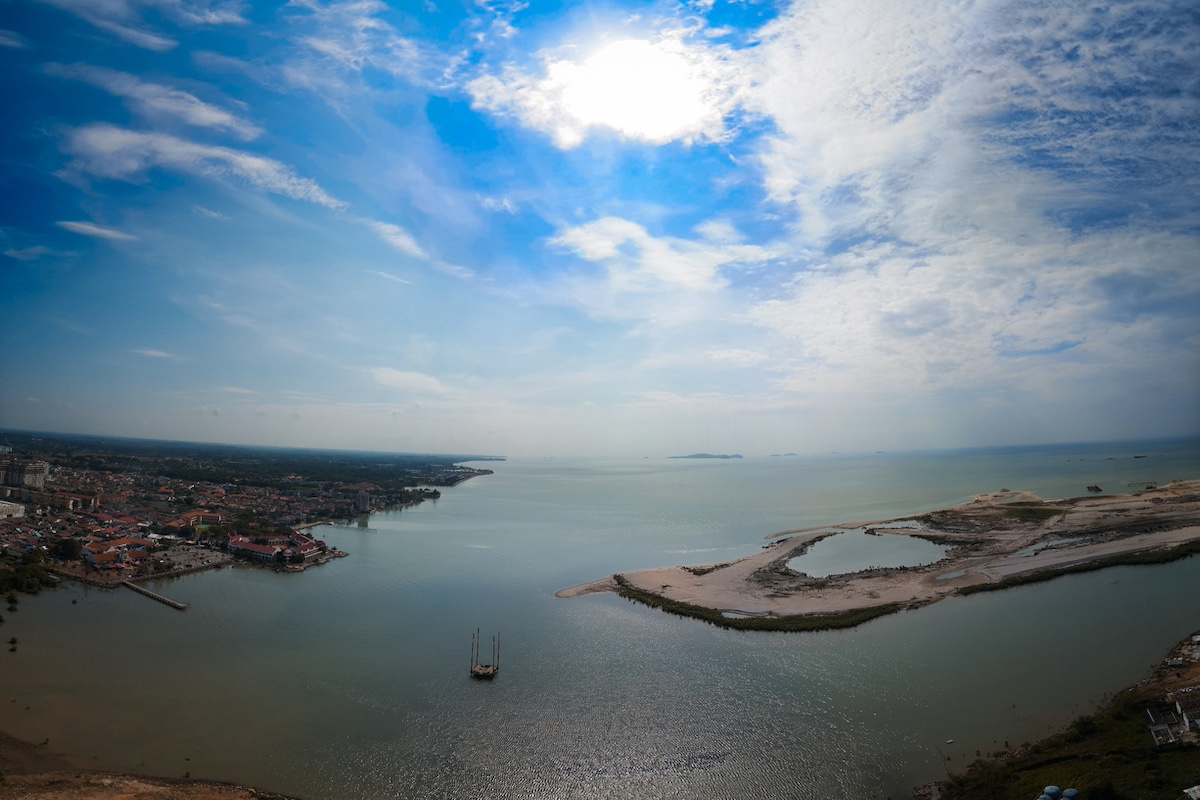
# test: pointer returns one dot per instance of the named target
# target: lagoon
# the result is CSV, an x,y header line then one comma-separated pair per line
x,y
350,680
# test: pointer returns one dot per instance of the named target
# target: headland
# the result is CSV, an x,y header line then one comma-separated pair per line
x,y
993,541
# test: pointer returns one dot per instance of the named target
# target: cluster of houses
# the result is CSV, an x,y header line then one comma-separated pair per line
x,y
293,546
123,553
1175,717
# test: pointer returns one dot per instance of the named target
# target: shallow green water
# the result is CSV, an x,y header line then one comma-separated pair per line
x,y
350,681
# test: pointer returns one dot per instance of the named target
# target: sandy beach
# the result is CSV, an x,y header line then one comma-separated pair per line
x,y
991,538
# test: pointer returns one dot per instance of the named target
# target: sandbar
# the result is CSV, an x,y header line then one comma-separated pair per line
x,y
991,541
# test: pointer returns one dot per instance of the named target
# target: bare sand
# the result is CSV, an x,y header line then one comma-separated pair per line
x,y
990,538
29,771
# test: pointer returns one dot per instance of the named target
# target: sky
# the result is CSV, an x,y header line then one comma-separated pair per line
x,y
601,228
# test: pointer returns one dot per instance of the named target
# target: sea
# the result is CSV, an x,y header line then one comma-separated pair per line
x,y
350,681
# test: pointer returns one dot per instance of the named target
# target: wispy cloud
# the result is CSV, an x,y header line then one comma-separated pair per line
x,y
389,276
29,253
91,229
157,102
160,354
119,18
12,39
237,390
107,151
335,42
397,238
411,383
638,261
122,18
208,212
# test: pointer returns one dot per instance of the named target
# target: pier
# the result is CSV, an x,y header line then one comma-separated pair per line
x,y
156,596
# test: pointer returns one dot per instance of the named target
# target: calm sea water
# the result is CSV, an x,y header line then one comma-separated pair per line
x,y
350,681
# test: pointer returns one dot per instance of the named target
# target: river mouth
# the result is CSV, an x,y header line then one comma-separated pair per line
x,y
858,550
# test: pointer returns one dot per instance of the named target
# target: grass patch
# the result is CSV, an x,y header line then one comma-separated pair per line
x,y
705,570
1144,558
797,622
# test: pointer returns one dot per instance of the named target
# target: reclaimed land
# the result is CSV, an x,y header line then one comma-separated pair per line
x,y
994,541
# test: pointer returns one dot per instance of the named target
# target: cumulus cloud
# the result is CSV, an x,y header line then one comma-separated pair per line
x,y
880,109
158,102
107,151
656,91
91,229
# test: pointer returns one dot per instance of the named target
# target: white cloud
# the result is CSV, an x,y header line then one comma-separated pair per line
x,y
504,204
737,357
12,39
149,353
107,151
880,109
413,383
389,276
637,261
398,238
454,270
208,212
29,253
895,319
122,18
237,390
345,38
91,229
654,91
156,101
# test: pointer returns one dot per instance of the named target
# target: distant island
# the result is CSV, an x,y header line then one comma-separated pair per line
x,y
708,455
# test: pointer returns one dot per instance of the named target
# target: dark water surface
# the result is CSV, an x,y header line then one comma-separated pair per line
x,y
350,680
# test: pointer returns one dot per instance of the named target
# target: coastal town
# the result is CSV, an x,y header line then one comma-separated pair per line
x,y
107,515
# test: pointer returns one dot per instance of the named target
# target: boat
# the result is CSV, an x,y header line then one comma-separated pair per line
x,y
484,671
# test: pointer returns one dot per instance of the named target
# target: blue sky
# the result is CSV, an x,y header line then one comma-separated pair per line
x,y
608,228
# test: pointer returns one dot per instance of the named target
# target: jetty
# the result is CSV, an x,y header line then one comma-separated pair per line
x,y
484,671
156,596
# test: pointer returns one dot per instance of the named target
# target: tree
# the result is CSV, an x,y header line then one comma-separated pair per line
x,y
68,549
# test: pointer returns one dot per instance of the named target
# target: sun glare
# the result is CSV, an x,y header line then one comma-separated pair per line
x,y
641,89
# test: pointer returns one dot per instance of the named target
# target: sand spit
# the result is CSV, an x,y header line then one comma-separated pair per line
x,y
991,538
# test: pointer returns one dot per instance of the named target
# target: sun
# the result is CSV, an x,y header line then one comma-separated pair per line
x,y
641,89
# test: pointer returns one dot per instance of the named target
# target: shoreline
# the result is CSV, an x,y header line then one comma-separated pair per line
x,y
1118,749
994,541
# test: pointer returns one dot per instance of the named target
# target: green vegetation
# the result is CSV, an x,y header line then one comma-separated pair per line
x,y
1106,756
28,577
795,623
1143,558
705,570
1031,513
